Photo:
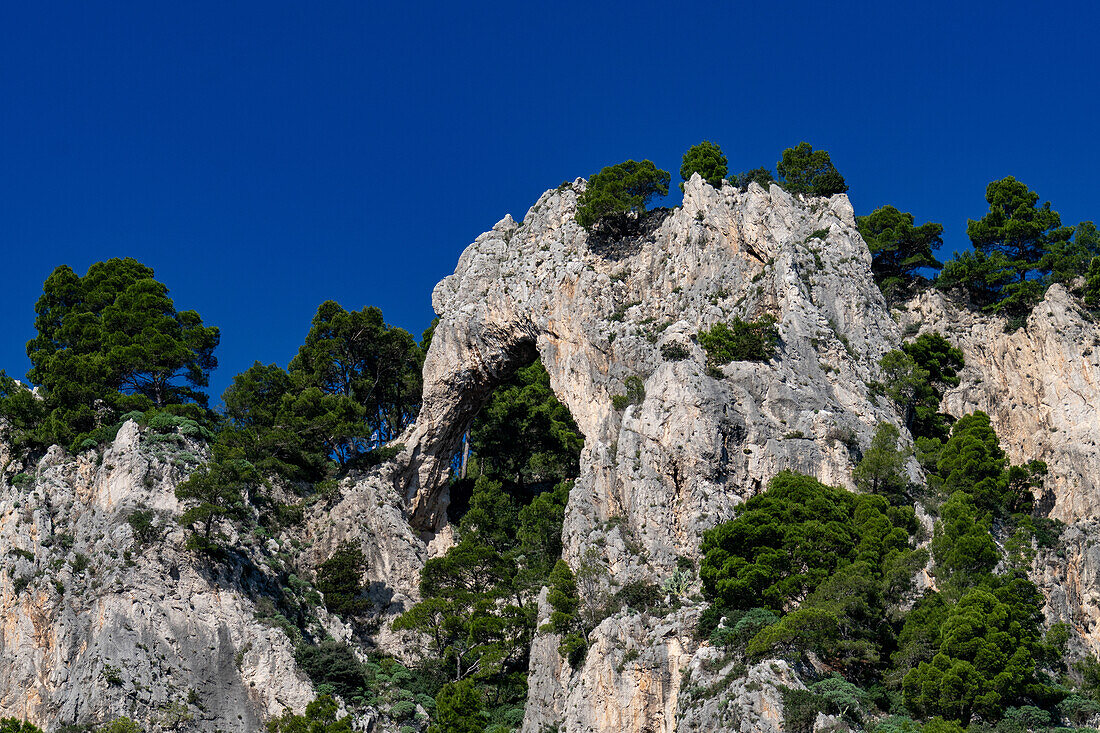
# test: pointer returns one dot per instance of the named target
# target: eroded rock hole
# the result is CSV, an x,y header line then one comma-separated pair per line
x,y
522,443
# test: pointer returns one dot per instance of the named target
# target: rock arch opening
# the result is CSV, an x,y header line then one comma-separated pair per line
x,y
488,384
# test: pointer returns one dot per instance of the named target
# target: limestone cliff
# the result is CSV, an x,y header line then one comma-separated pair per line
x,y
97,625
144,625
1040,386
655,475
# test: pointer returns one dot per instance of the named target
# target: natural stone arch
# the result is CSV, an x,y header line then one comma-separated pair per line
x,y
464,366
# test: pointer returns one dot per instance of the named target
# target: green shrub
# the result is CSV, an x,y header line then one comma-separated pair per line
x,y
707,160
332,663
639,595
403,709
1078,709
458,707
740,340
800,709
340,580
617,192
79,563
675,352
635,393
143,524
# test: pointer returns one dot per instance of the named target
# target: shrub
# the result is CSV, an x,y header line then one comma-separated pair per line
x,y
707,160
332,663
617,192
458,708
639,595
142,523
340,580
740,340
675,352
320,717
809,171
635,393
800,709
79,563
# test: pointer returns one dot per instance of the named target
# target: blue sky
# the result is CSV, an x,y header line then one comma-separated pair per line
x,y
264,157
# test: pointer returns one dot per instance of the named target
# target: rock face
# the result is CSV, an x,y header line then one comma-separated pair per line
x,y
97,626
680,459
655,475
1040,386
145,632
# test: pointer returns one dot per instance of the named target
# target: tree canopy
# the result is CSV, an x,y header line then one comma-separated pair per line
x,y
805,170
355,354
478,606
1017,245
988,648
899,249
916,376
110,342
354,384
619,191
707,160
786,541
524,435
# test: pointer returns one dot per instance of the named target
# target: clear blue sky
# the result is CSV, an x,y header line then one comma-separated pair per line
x,y
264,157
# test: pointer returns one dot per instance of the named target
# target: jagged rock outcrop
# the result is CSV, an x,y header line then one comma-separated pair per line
x,y
1069,576
136,631
656,474
698,443
97,626
1039,384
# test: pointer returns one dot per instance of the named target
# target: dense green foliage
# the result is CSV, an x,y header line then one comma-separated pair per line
x,y
340,580
1019,249
458,709
805,170
320,717
12,725
740,340
707,160
1091,293
107,343
899,250
618,193
478,601
356,355
916,377
354,385
788,540
810,569
524,435
988,646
